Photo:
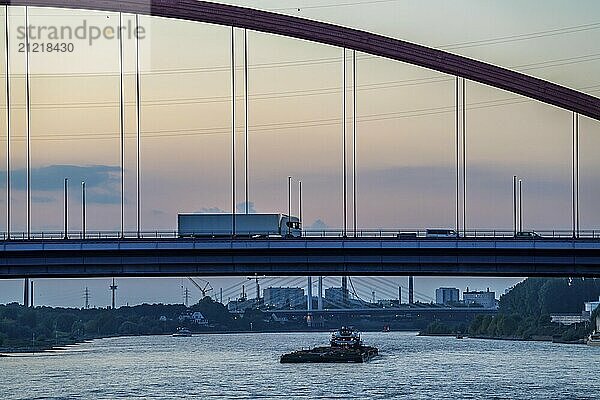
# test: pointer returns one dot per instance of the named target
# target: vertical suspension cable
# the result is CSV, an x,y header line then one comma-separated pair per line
x,y
300,202
520,205
577,175
574,175
8,119
66,210
28,107
122,125
344,178
354,140
233,210
83,210
138,114
289,205
457,134
464,146
515,206
246,113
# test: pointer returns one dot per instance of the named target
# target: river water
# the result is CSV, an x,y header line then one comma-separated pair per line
x,y
246,366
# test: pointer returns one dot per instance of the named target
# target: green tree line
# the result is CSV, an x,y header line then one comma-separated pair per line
x,y
44,327
524,312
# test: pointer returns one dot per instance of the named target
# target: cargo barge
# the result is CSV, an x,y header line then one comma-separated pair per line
x,y
345,346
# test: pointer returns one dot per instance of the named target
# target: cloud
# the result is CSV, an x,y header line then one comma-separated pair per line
x,y
102,181
241,207
210,210
42,199
318,225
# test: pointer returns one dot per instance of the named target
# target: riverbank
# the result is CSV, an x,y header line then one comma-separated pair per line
x,y
535,338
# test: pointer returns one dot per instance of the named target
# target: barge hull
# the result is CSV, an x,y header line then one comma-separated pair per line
x,y
327,355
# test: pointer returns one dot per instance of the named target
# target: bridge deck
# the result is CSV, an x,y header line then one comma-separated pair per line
x,y
306,256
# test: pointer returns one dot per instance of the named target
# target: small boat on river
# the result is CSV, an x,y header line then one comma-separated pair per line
x,y
182,332
594,338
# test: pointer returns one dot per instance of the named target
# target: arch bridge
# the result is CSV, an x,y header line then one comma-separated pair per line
x,y
572,254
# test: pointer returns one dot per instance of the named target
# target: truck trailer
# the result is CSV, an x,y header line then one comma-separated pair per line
x,y
246,225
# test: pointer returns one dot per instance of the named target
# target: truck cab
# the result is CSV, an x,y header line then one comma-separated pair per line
x,y
290,226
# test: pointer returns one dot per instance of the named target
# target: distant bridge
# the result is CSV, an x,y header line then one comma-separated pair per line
x,y
387,311
331,256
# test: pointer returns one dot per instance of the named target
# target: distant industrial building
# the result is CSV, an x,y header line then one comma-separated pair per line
x,y
446,295
568,319
283,297
485,299
239,306
590,306
387,303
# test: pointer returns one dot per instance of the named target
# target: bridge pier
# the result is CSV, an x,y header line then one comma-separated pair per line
x,y
320,299
309,294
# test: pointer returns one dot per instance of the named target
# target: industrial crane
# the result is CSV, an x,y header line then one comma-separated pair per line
x,y
205,288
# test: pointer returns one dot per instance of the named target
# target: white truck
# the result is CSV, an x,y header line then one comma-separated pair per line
x,y
246,225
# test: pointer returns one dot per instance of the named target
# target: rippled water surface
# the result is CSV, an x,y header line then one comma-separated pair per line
x,y
247,367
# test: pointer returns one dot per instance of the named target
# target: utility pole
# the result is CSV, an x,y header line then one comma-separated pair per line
x,y
86,293
113,289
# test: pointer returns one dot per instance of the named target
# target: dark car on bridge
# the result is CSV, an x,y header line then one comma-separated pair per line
x,y
528,235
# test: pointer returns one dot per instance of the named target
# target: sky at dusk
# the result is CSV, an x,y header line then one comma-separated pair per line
x,y
405,126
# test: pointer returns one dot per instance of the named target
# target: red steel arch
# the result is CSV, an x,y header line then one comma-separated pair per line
x,y
300,28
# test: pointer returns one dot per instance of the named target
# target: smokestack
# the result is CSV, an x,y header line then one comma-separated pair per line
x,y
31,303
411,290
26,292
